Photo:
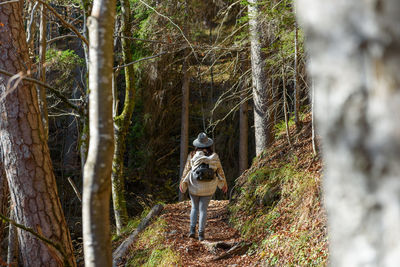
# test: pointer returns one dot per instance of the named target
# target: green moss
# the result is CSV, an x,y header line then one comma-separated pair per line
x,y
151,250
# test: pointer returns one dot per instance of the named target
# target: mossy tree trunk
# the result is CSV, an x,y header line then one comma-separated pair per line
x,y
122,122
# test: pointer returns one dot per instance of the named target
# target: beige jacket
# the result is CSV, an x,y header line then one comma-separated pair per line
x,y
202,188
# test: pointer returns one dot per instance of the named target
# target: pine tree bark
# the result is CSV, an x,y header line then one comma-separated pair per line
x,y
122,123
261,99
98,167
355,63
26,154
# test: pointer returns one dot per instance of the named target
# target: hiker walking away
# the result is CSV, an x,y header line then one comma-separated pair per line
x,y
201,175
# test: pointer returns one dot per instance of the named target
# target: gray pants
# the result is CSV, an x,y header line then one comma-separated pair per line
x,y
199,204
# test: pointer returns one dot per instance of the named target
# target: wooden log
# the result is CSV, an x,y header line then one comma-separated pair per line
x,y
238,249
213,246
121,251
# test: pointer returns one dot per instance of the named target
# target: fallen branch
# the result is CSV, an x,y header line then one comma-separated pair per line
x,y
238,249
120,252
213,246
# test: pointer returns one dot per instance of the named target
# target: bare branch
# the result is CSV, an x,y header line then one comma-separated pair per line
x,y
10,2
61,37
53,90
78,194
144,40
173,23
139,60
29,27
64,22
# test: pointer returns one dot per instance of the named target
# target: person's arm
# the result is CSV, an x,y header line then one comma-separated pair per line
x,y
186,171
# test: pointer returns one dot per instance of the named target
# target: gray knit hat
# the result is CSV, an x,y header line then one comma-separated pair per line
x,y
203,141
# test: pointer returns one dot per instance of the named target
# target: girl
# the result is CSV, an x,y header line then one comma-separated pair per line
x,y
201,191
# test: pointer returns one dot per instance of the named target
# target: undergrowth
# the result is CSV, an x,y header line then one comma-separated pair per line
x,y
151,249
278,209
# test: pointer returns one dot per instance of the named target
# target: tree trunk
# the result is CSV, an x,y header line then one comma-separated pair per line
x,y
295,79
184,145
122,123
355,63
285,104
84,121
4,204
27,159
243,124
42,71
244,136
97,171
262,126
184,121
313,137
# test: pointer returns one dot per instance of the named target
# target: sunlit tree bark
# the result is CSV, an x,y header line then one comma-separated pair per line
x,y
262,127
42,70
97,171
355,63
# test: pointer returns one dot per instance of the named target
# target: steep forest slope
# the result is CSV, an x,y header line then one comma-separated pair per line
x,y
274,218
277,203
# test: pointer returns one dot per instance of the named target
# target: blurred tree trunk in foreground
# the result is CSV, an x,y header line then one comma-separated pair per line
x,y
97,171
355,63
26,155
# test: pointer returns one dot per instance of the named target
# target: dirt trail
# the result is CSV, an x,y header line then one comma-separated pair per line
x,y
194,252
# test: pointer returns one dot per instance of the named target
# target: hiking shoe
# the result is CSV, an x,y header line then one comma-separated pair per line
x,y
192,232
201,236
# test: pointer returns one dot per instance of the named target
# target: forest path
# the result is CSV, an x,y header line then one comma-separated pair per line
x,y
194,252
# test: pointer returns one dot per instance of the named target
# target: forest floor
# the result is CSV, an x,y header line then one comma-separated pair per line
x,y
219,236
